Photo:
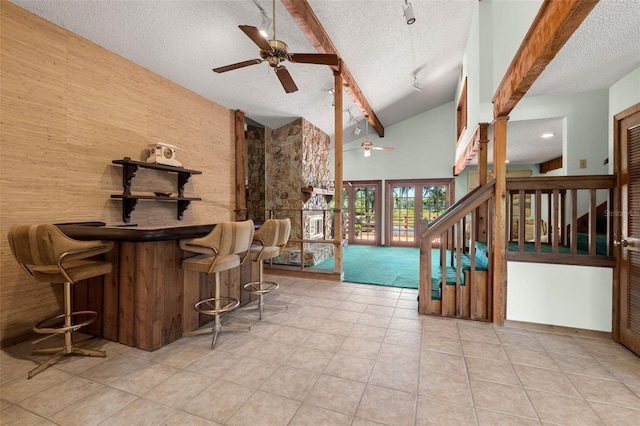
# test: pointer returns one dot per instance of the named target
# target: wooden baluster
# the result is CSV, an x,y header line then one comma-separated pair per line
x,y
573,238
592,221
538,219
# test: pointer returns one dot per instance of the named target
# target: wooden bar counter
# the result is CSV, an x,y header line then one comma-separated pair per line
x,y
147,300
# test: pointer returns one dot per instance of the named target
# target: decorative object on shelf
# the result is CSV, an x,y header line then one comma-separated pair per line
x,y
163,153
129,200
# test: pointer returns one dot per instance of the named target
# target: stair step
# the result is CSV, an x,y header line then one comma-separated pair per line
x,y
465,260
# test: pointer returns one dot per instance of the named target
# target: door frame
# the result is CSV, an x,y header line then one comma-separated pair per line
x,y
450,183
350,232
619,222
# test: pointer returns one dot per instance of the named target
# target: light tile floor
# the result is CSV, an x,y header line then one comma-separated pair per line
x,y
342,354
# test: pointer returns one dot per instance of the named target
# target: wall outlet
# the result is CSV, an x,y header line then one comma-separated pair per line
x,y
583,163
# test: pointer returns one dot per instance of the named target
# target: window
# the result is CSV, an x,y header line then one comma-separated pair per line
x,y
461,113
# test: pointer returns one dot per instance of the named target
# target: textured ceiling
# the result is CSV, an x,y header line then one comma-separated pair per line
x,y
183,40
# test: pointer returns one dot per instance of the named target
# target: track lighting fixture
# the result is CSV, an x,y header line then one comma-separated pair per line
x,y
408,13
265,25
416,84
357,130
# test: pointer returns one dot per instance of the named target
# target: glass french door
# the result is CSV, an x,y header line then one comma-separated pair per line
x,y
361,201
410,203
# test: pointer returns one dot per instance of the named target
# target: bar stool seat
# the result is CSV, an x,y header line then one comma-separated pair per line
x,y
225,247
48,255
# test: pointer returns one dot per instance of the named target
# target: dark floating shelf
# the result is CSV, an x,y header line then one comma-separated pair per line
x,y
129,200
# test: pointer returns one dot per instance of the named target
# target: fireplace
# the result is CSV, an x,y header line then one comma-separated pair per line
x,y
316,226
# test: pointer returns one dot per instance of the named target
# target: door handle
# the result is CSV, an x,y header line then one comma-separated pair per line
x,y
621,243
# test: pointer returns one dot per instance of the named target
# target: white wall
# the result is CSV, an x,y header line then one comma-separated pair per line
x,y
424,148
622,95
471,71
562,295
510,21
587,118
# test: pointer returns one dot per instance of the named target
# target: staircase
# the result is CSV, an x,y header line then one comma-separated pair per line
x,y
457,250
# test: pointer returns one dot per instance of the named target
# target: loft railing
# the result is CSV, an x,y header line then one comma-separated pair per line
x,y
567,215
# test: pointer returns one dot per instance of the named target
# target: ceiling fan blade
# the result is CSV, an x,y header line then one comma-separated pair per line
x,y
285,79
382,148
352,149
314,58
254,34
238,65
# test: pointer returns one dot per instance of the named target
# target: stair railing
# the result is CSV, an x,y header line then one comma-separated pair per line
x,y
454,234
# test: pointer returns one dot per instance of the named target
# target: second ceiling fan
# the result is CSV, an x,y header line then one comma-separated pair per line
x,y
367,146
275,52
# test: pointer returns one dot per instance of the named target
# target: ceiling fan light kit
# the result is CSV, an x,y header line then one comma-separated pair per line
x,y
274,52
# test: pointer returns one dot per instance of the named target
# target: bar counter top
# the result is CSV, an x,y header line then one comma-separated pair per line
x,y
147,300
101,231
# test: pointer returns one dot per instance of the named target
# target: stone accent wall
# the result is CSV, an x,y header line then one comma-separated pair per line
x,y
296,156
255,158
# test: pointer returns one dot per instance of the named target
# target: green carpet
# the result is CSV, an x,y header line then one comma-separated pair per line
x,y
389,266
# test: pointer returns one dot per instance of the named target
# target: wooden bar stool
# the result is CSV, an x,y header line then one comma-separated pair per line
x,y
269,241
224,248
48,255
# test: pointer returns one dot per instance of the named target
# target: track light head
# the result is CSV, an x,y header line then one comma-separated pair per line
x,y
408,13
416,85
265,25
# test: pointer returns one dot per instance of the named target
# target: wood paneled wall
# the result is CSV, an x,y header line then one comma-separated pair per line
x,y
69,107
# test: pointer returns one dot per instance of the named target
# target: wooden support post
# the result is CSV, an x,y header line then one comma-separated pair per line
x,y
241,197
500,219
483,169
337,87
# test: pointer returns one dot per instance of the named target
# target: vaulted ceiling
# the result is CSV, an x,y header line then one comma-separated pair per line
x,y
184,40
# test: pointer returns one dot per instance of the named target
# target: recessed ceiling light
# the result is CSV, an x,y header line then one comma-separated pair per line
x,y
547,135
506,161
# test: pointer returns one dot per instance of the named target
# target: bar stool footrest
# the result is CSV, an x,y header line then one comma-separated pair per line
x,y
232,305
48,326
261,287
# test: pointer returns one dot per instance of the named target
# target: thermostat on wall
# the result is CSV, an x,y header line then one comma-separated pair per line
x,y
163,153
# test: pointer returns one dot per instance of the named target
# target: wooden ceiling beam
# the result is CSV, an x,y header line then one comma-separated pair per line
x,y
307,20
554,24
550,165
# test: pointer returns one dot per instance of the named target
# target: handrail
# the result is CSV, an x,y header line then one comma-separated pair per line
x,y
460,209
531,184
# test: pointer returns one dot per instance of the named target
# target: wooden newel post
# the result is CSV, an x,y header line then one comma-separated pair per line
x,y
500,220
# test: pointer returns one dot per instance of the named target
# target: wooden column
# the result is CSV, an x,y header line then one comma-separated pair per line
x,y
500,219
241,197
337,86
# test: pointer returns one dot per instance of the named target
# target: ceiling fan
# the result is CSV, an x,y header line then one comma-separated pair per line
x,y
275,52
367,146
